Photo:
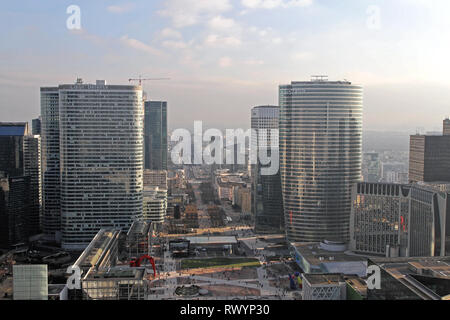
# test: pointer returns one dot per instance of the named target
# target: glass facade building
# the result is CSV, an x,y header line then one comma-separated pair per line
x,y
51,209
320,157
155,132
396,220
267,201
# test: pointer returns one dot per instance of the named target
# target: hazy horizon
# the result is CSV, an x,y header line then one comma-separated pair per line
x,y
226,56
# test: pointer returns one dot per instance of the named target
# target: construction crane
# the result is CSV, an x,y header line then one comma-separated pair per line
x,y
140,79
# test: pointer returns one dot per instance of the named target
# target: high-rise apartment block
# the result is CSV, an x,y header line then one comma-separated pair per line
x,y
320,157
155,132
92,143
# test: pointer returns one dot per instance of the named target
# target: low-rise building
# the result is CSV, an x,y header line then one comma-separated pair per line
x,y
328,257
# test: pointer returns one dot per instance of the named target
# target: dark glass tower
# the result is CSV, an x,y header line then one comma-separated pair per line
x,y
155,135
267,201
20,188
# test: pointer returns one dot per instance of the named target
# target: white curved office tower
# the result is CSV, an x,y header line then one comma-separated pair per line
x,y
101,159
320,157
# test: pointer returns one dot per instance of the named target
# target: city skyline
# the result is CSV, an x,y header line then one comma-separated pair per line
x,y
227,56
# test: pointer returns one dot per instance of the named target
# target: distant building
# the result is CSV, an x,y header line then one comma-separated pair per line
x,y
446,131
429,159
267,199
155,135
155,204
36,126
155,178
242,199
320,156
399,220
391,172
371,167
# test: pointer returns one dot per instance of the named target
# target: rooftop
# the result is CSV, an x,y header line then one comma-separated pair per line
x,y
13,129
323,279
315,254
212,240
438,267
118,273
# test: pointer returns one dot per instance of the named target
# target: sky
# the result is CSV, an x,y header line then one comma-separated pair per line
x,y
224,57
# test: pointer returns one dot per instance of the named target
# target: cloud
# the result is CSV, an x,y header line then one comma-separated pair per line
x,y
225,62
121,8
186,13
221,23
170,33
213,40
271,4
138,45
174,44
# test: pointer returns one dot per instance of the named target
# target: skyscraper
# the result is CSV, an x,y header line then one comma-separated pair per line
x,y
100,158
155,132
51,208
32,169
446,131
267,201
36,126
320,156
429,158
19,168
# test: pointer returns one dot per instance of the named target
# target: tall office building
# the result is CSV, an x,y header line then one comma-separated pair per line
x,y
320,157
14,210
267,201
50,176
446,131
32,169
36,126
19,170
100,129
429,157
371,169
399,220
12,136
155,132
